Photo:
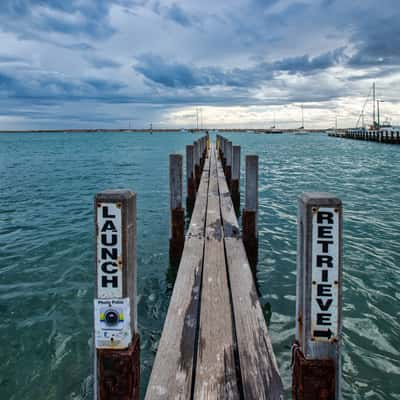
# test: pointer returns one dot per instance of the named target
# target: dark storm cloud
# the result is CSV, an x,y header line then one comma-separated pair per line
x,y
57,88
377,42
71,17
177,75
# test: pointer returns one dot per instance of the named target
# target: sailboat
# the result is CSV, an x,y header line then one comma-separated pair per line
x,y
301,129
376,119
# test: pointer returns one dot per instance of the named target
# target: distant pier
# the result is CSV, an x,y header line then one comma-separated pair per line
x,y
389,136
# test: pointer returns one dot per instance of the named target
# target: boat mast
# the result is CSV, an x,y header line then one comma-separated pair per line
x,y
373,105
302,116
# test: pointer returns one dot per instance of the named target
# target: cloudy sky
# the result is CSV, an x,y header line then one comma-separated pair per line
x,y
115,63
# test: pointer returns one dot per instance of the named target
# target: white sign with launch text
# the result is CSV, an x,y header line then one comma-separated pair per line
x,y
109,250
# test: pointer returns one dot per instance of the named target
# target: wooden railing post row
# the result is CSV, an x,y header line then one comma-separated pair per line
x,y
177,238
235,182
190,180
116,339
228,166
316,352
249,213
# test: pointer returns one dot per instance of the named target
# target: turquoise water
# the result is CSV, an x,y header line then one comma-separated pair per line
x,y
47,186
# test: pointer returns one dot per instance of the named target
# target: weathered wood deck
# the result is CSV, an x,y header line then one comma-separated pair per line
x,y
215,342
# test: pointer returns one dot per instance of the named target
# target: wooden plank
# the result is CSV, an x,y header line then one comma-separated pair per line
x,y
172,372
215,369
229,220
259,371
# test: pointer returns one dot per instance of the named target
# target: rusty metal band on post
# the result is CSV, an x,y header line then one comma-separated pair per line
x,y
120,372
312,379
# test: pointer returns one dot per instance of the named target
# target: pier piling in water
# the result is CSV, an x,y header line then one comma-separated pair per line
x,y
228,166
116,339
249,213
177,238
316,352
235,181
197,163
190,179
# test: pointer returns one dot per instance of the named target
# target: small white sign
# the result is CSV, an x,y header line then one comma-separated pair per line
x,y
112,327
109,250
325,274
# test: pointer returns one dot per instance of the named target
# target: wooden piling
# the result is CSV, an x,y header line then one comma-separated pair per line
x,y
177,238
235,181
249,214
228,166
190,180
197,162
316,352
117,343
222,152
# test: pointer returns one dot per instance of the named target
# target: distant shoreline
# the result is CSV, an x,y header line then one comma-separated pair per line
x,y
243,130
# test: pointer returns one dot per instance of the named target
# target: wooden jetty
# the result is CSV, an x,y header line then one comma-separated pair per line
x,y
215,342
389,136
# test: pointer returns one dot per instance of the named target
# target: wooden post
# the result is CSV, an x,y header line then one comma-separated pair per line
x,y
117,343
201,152
177,239
196,164
235,182
316,353
222,155
228,166
191,186
249,214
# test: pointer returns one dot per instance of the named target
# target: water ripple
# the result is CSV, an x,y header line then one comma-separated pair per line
x,y
46,251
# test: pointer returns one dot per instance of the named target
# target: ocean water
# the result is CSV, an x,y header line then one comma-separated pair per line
x,y
47,184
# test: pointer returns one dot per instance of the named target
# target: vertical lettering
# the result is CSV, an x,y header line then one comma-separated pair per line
x,y
114,239
105,280
327,260
106,213
325,232
325,215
